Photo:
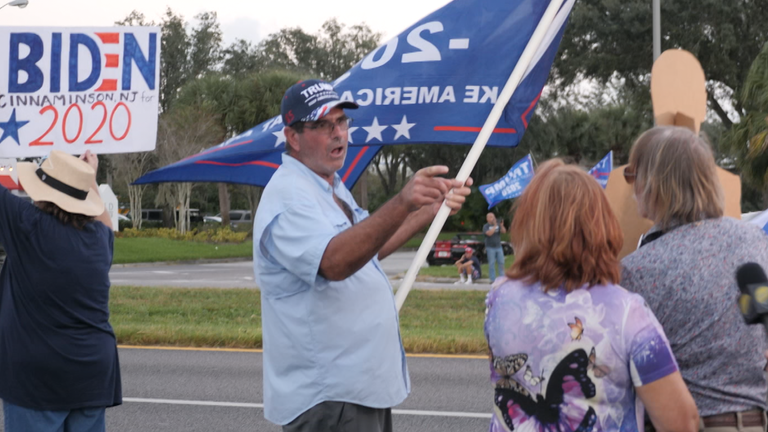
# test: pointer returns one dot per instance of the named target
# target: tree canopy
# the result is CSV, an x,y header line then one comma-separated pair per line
x,y
613,38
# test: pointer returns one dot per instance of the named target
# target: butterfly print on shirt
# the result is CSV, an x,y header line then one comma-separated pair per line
x,y
577,329
530,378
556,412
506,367
598,370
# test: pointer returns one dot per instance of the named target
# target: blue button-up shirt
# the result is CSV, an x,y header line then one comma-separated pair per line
x,y
323,340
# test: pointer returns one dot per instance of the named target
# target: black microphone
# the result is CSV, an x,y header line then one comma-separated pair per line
x,y
754,294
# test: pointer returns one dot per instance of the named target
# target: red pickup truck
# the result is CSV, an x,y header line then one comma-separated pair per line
x,y
449,251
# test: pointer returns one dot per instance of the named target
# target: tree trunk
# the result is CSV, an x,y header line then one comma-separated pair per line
x,y
135,194
224,204
183,191
169,215
362,187
254,197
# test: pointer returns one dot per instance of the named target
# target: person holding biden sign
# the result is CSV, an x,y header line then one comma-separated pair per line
x,y
59,366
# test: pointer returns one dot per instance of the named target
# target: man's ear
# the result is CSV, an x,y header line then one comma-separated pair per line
x,y
291,139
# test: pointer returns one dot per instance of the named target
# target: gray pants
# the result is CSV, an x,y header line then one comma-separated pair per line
x,y
341,417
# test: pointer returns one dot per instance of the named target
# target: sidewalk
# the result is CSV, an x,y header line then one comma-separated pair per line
x,y
442,283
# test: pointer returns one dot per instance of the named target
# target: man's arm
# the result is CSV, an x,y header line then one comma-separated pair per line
x,y
502,227
350,250
419,219
491,230
413,224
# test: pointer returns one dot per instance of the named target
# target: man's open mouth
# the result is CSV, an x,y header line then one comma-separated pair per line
x,y
337,151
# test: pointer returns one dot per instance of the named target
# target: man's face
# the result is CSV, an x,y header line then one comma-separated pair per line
x,y
469,253
321,152
490,218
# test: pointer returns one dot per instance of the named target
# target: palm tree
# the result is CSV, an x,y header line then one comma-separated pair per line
x,y
748,139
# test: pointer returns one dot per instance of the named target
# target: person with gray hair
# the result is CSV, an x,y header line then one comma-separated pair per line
x,y
685,269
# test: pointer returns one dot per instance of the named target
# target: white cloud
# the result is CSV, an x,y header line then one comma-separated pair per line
x,y
244,28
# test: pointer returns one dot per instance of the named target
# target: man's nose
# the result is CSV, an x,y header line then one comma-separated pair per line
x,y
337,132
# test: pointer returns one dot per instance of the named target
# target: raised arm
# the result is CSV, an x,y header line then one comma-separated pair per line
x,y
93,161
418,220
392,225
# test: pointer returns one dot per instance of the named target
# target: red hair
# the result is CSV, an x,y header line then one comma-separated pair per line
x,y
564,231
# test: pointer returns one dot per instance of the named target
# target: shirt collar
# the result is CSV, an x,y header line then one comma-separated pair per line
x,y
293,163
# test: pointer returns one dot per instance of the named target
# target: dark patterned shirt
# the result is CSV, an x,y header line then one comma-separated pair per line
x,y
688,278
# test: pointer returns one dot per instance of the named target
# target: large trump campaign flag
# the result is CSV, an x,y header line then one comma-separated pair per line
x,y
435,83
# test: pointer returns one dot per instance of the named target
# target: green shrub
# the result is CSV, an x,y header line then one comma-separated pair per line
x,y
218,235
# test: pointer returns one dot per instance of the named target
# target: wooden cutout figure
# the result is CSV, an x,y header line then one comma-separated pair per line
x,y
679,94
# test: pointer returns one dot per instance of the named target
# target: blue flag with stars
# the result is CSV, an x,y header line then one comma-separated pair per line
x,y
435,83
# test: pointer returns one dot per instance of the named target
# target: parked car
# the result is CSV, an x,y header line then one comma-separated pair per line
x,y
449,251
156,215
236,217
151,215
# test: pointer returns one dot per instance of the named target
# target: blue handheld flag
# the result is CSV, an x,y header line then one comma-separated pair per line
x,y
603,169
511,185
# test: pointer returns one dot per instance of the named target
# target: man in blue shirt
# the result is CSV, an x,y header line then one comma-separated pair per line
x,y
332,348
493,250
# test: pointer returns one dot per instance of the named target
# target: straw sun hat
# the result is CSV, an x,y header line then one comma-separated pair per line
x,y
63,180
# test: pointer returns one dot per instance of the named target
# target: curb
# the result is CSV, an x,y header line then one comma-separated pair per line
x,y
186,262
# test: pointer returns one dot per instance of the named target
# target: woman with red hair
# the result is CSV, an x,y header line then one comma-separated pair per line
x,y
570,349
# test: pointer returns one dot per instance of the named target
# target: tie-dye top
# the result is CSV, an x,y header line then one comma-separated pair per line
x,y
570,362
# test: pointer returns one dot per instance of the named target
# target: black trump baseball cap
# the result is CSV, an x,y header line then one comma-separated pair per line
x,y
310,100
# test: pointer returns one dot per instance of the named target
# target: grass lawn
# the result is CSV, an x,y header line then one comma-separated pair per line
x,y
152,249
449,270
430,322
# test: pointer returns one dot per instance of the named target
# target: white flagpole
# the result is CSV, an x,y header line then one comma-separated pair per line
x,y
479,145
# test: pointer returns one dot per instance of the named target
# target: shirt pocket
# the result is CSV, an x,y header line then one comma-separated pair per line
x,y
339,221
360,214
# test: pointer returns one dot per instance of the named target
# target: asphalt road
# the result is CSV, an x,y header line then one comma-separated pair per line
x,y
240,275
186,390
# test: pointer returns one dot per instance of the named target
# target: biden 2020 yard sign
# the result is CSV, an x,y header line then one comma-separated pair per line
x,y
77,89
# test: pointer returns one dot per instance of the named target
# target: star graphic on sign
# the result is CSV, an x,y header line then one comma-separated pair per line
x,y
374,130
403,129
11,128
349,134
280,137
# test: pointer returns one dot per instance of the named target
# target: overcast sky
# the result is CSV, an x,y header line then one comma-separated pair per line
x,y
250,20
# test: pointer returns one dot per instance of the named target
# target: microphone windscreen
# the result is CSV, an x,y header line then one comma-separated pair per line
x,y
748,274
